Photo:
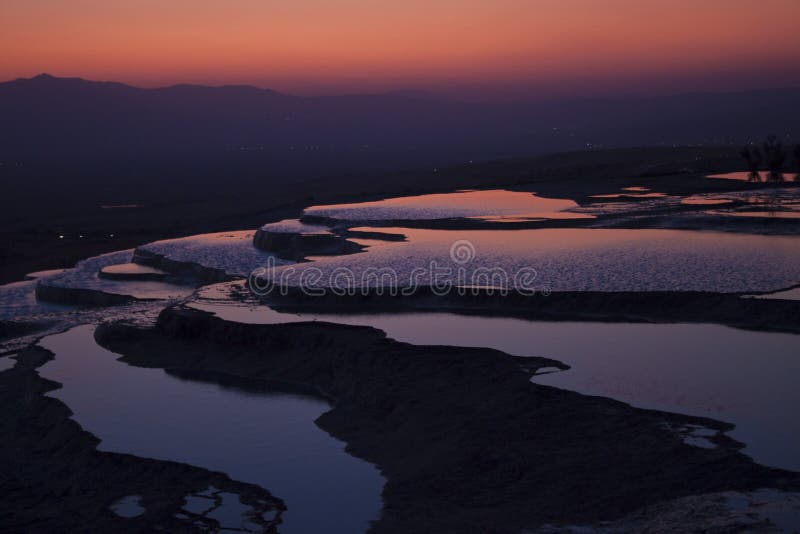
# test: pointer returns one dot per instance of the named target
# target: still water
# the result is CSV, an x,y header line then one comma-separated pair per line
x,y
269,439
738,376
487,203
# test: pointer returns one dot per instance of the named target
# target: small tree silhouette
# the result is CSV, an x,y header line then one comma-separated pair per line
x,y
752,156
775,157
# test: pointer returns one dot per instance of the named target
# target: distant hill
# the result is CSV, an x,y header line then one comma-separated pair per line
x,y
46,118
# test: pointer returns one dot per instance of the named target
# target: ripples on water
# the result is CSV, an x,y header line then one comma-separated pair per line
x,y
85,276
578,259
231,252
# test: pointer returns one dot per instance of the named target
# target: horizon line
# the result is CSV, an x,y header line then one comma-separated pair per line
x,y
408,92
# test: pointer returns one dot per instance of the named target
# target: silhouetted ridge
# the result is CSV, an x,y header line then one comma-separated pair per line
x,y
47,116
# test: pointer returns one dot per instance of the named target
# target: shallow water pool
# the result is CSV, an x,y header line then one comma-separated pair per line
x,y
269,439
562,259
488,203
739,376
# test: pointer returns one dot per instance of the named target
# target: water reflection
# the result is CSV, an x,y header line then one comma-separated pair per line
x,y
777,202
789,294
570,260
758,177
264,438
491,203
18,300
631,195
703,201
768,214
132,270
85,275
743,377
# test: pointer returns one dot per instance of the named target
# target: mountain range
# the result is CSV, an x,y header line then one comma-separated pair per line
x,y
45,117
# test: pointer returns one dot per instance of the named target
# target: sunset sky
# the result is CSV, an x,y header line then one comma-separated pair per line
x,y
469,47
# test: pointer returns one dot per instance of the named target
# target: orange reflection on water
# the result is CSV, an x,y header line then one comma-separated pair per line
x,y
483,204
762,176
767,214
631,195
529,217
700,201
538,242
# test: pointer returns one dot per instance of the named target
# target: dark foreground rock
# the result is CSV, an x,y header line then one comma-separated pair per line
x,y
12,329
466,441
53,478
728,309
79,296
188,270
297,246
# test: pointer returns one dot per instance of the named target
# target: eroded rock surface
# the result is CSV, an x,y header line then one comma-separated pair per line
x,y
466,441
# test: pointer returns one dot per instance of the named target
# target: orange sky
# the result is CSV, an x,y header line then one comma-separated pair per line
x,y
482,46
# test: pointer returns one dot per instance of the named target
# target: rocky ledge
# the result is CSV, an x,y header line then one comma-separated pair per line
x,y
79,295
728,309
53,478
297,245
185,269
466,441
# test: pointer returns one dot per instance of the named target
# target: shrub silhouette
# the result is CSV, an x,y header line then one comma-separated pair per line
x,y
775,157
753,158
